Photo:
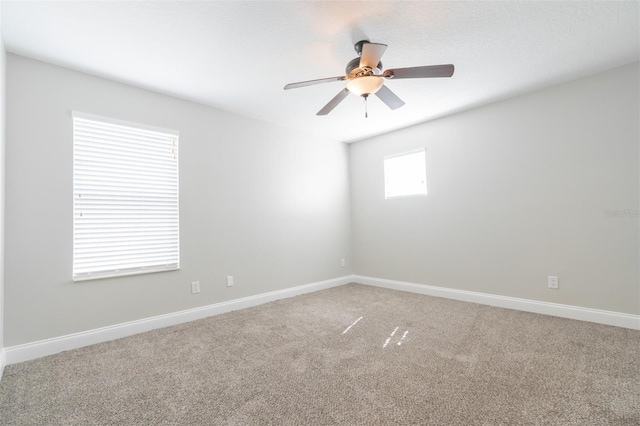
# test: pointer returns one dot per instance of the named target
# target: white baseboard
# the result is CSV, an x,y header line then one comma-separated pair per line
x,y
28,351
565,311
3,361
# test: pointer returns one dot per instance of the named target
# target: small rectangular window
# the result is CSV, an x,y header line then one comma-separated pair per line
x,y
125,201
405,174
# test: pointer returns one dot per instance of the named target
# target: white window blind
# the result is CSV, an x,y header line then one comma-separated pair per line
x,y
125,208
405,174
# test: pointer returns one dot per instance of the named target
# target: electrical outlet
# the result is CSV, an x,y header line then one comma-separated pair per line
x,y
229,280
343,262
195,287
552,282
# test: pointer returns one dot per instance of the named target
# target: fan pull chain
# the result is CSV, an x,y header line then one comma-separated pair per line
x,y
366,114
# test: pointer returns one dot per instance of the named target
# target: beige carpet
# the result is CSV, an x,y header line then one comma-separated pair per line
x,y
351,355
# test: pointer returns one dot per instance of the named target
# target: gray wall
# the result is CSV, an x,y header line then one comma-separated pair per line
x,y
263,203
2,168
517,191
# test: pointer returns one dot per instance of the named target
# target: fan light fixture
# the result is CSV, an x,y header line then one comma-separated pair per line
x,y
364,86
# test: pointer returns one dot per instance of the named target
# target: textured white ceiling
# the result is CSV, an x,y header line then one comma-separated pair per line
x,y
238,55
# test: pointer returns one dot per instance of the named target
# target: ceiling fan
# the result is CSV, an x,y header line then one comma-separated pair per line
x,y
365,77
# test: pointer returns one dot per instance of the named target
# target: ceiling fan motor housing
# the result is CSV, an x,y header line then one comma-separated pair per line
x,y
353,69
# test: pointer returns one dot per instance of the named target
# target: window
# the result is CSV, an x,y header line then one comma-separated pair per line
x,y
125,200
405,174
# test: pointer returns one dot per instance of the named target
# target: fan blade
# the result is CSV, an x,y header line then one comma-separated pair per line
x,y
371,54
389,98
420,72
334,102
312,82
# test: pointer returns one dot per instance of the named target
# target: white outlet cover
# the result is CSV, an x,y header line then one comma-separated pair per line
x,y
229,280
195,287
552,281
